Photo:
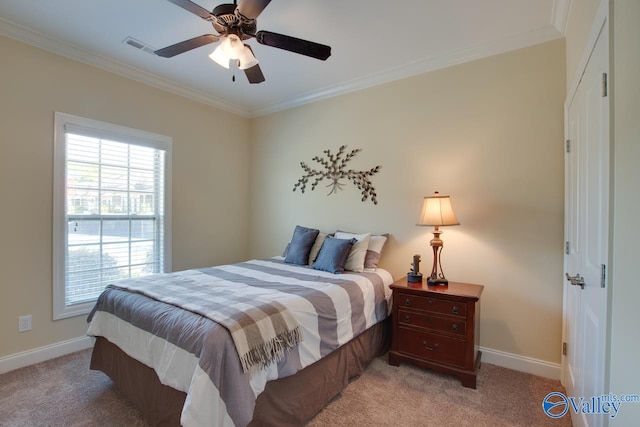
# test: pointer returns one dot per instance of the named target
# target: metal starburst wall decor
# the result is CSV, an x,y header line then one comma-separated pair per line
x,y
336,172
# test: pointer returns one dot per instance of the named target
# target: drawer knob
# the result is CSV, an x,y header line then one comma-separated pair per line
x,y
407,301
454,327
432,348
407,318
455,309
430,319
430,302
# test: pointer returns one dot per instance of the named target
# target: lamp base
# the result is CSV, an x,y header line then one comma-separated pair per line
x,y
414,277
437,282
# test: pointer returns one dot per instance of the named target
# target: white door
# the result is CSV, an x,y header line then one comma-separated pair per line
x,y
586,229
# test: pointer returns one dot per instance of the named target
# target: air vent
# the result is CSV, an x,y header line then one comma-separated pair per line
x,y
139,45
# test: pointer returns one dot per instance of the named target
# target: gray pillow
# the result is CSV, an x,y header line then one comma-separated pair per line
x,y
300,246
333,254
374,251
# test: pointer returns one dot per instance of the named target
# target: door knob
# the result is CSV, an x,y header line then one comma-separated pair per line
x,y
576,281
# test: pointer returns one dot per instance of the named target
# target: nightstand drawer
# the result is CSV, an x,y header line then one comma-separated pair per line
x,y
436,323
433,304
434,347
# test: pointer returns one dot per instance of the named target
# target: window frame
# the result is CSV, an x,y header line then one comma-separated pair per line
x,y
95,128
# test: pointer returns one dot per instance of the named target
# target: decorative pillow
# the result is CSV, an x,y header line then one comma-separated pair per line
x,y
355,260
315,249
374,251
333,254
300,245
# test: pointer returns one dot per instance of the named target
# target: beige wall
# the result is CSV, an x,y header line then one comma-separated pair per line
x,y
625,316
489,133
210,178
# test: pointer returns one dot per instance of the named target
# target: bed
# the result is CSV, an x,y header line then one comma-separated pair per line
x,y
181,367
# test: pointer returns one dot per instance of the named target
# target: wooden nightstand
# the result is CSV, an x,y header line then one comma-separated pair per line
x,y
437,327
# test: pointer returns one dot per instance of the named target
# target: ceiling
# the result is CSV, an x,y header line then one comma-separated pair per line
x,y
372,42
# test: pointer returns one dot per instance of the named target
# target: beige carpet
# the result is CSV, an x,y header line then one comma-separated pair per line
x,y
64,392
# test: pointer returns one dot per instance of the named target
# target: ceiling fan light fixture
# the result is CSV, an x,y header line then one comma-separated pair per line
x,y
219,57
232,46
247,59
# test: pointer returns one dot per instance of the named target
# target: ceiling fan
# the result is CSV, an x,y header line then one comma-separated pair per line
x,y
234,24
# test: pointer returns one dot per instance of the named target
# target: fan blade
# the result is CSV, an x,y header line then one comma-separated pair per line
x,y
252,8
292,44
194,8
254,74
187,45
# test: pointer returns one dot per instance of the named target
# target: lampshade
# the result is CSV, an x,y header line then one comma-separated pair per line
x,y
232,47
219,57
246,58
437,210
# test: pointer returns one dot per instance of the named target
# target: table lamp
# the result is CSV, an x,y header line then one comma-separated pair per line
x,y
437,211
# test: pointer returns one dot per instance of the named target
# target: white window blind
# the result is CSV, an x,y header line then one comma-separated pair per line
x,y
114,209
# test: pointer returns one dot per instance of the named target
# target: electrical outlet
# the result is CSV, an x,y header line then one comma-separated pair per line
x,y
24,323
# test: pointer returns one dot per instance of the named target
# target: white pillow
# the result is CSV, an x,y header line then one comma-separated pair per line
x,y
355,260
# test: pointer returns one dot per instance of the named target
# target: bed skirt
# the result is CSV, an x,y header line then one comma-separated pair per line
x,y
289,401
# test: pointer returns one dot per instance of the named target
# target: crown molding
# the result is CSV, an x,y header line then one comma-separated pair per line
x,y
34,38
544,34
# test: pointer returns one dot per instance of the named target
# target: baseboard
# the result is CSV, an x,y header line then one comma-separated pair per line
x,y
42,354
521,363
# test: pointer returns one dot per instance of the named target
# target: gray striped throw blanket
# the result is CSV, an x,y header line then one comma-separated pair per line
x,y
261,330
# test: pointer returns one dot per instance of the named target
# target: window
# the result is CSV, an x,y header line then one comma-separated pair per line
x,y
111,209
